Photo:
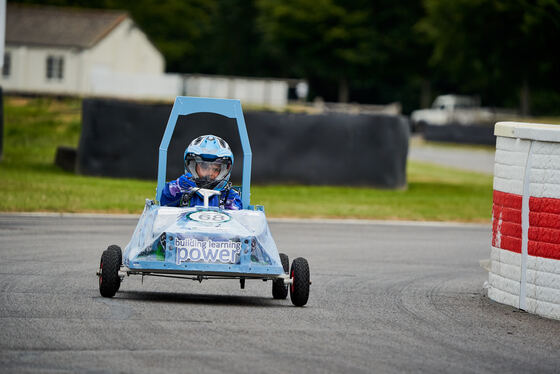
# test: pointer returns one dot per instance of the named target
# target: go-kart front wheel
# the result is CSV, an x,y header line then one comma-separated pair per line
x,y
109,280
299,289
279,289
117,249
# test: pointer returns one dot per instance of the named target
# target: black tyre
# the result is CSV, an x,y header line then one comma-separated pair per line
x,y
109,281
117,249
299,290
279,289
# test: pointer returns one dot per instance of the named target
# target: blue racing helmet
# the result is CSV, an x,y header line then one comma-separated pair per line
x,y
209,159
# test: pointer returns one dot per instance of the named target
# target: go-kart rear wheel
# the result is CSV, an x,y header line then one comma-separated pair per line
x,y
279,289
109,280
299,290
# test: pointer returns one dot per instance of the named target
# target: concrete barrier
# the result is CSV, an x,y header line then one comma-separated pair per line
x,y
525,252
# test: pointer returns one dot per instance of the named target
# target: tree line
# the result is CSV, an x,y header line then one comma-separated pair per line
x,y
367,51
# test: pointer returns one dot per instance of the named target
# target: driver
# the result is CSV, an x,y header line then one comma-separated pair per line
x,y
208,164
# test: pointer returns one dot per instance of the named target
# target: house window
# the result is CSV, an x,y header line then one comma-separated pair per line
x,y
7,68
55,67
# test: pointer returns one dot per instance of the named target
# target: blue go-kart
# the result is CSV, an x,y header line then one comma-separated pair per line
x,y
205,242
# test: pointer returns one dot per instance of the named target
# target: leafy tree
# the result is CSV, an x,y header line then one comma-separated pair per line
x,y
499,48
366,51
178,28
234,44
329,40
354,49
400,70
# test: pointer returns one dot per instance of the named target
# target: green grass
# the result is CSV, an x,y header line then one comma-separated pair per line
x,y
29,180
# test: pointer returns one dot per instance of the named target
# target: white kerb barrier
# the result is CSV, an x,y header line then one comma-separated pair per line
x,y
525,254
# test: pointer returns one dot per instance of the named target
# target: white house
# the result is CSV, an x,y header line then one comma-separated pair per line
x,y
88,52
60,50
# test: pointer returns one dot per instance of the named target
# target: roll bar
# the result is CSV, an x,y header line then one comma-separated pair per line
x,y
185,105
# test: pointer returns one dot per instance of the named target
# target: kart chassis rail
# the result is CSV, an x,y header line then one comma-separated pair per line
x,y
199,276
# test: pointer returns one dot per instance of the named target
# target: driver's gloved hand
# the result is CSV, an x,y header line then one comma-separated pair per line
x,y
180,186
174,190
185,183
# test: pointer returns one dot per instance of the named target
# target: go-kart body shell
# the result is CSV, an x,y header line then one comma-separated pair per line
x,y
203,241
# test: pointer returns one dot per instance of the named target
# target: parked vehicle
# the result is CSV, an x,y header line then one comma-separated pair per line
x,y
452,109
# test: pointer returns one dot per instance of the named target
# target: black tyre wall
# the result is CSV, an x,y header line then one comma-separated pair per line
x,y
121,139
454,133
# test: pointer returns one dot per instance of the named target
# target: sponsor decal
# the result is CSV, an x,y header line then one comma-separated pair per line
x,y
194,250
209,216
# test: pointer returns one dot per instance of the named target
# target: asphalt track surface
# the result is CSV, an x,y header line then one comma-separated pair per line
x,y
385,297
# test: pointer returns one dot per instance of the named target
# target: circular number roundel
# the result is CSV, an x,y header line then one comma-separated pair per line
x,y
209,217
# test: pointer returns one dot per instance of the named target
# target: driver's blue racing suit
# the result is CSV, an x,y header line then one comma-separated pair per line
x,y
174,190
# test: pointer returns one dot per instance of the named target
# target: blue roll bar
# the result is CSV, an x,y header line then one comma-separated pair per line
x,y
185,105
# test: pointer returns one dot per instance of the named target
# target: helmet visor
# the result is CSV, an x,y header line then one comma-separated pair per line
x,y
208,170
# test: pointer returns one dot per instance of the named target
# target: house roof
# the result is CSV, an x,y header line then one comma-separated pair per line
x,y
62,27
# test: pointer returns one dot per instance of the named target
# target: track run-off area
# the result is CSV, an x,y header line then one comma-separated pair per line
x,y
386,297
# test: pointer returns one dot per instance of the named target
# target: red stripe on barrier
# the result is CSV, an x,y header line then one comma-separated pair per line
x,y
544,205
511,215
510,243
544,224
544,220
542,249
544,227
544,234
508,200
511,229
506,224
